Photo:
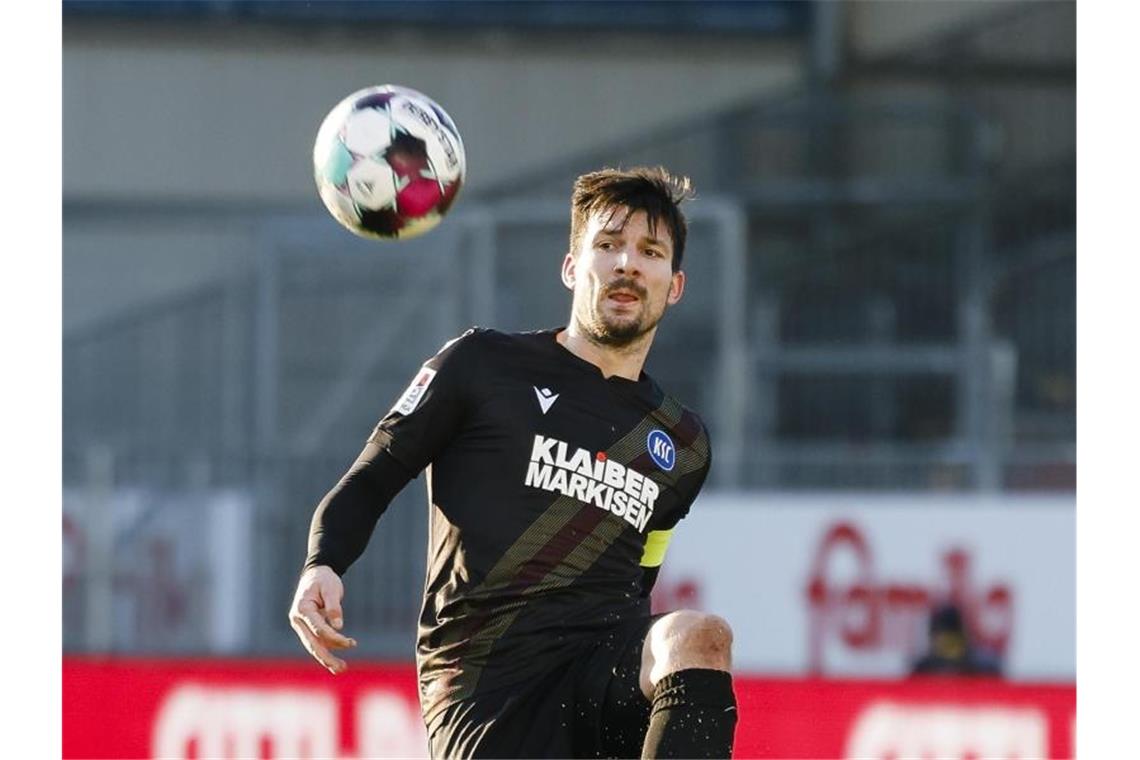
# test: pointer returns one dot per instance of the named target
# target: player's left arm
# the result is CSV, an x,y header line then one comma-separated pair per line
x,y
657,540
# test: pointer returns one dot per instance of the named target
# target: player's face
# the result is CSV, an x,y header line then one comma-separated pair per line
x,y
622,277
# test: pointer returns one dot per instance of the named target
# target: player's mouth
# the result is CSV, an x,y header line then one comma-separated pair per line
x,y
623,294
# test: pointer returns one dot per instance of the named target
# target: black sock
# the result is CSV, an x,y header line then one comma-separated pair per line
x,y
693,715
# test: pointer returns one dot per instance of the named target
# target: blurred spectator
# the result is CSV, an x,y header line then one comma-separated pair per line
x,y
951,652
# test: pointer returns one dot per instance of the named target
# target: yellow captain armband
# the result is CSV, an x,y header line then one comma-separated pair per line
x,y
655,545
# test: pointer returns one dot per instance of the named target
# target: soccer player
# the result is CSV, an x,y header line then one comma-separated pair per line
x,y
557,470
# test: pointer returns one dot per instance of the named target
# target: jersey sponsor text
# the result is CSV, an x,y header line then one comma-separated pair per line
x,y
592,479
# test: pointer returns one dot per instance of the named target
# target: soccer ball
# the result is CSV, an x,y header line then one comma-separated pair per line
x,y
388,162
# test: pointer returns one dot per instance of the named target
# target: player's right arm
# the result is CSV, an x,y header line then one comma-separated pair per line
x,y
422,422
338,534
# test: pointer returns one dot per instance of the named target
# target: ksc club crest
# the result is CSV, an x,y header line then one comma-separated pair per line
x,y
661,449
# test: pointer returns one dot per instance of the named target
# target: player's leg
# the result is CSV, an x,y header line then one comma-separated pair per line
x,y
685,673
611,713
528,720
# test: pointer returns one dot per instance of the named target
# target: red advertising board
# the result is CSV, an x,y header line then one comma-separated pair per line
x,y
965,718
141,708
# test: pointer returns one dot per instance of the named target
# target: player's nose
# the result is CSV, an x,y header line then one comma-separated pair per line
x,y
625,262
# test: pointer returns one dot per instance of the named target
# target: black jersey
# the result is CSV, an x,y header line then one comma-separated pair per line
x,y
544,480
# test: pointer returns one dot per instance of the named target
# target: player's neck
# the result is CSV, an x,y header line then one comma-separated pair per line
x,y
625,361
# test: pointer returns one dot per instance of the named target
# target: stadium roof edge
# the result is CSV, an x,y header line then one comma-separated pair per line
x,y
718,17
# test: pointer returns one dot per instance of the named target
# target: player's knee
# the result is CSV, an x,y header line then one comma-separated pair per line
x,y
700,640
710,640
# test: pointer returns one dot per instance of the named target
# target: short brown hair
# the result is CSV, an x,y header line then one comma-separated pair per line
x,y
652,190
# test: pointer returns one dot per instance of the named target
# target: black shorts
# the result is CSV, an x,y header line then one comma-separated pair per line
x,y
589,707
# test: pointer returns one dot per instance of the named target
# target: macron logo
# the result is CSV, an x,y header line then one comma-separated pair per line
x,y
546,398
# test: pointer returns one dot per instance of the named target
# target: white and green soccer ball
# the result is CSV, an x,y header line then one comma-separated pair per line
x,y
388,162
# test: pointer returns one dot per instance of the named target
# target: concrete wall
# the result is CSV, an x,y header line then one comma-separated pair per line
x,y
230,113
222,118
883,27
1024,46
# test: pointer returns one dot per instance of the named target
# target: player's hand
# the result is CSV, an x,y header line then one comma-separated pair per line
x,y
317,618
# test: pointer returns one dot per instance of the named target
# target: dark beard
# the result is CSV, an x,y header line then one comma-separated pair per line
x,y
615,336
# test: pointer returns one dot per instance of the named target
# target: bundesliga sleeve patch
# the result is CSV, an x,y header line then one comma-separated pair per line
x,y
411,398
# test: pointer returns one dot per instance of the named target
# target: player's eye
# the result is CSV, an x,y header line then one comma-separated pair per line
x,y
605,245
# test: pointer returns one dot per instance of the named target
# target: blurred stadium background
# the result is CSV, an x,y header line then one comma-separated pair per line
x,y
879,329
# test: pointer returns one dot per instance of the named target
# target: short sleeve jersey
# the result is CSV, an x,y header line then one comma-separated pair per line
x,y
544,479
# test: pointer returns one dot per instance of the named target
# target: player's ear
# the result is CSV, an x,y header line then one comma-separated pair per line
x,y
676,288
569,276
